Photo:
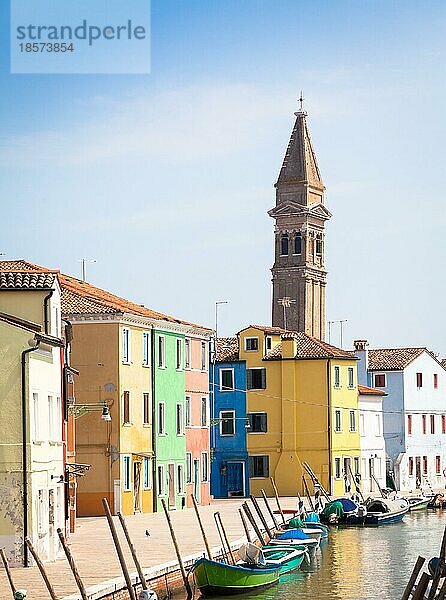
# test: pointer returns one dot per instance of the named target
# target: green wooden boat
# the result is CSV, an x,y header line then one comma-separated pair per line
x,y
287,558
220,579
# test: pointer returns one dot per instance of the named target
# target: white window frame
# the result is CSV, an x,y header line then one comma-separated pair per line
x,y
351,377
144,422
179,354
147,475
187,353
379,425
203,355
337,472
50,406
161,347
36,419
221,418
245,344
374,380
161,483
338,411
337,376
256,412
145,349
161,418
179,419
188,411
204,467
127,475
58,419
226,389
180,478
352,414
206,402
268,343
125,346
188,467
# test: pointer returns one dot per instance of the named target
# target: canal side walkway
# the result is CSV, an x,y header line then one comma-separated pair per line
x,y
96,558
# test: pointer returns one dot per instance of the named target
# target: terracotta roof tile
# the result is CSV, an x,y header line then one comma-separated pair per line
x,y
26,280
309,347
227,349
271,330
364,390
20,265
392,359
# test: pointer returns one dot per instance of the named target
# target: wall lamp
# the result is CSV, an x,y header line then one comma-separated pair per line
x,y
79,409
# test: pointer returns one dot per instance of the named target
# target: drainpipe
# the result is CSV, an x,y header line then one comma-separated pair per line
x,y
46,319
25,453
329,425
152,377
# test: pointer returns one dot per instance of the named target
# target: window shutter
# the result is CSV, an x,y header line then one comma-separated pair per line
x,y
249,379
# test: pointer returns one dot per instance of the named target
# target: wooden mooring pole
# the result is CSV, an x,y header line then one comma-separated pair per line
x,y
253,522
218,516
439,568
177,550
72,564
261,516
133,552
269,509
8,572
245,525
119,552
409,587
277,499
307,492
39,563
421,588
203,533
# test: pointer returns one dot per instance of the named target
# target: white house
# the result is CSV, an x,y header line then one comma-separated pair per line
x,y
414,412
373,450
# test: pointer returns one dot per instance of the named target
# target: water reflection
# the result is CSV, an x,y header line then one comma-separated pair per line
x,y
363,564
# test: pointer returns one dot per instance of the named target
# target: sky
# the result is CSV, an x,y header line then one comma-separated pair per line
x,y
165,179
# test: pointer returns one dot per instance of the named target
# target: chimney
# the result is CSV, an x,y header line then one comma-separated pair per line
x,y
362,353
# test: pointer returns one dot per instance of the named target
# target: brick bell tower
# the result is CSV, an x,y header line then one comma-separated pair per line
x,y
298,275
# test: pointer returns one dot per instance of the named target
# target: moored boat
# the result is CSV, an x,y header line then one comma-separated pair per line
x,y
296,539
217,578
287,558
418,502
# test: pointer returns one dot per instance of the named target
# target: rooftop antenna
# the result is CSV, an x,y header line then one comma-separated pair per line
x,y
285,302
84,262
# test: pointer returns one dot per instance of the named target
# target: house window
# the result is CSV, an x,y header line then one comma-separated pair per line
x,y
204,412
187,354
337,468
424,465
268,342
227,422
204,467
180,479
337,377
251,344
432,423
380,380
161,418
161,351
188,411
423,422
356,464
36,419
351,377
410,466
319,245
51,417
259,466
188,467
378,425
419,380
438,465
298,243
179,361
126,345
226,380
435,381
443,423
58,429
179,419
126,407
338,424
146,408
126,473
409,424
203,356
257,422
256,379
147,473
145,348
352,420
161,482
284,243
361,424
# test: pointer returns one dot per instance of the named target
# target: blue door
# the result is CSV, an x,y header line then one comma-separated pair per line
x,y
236,479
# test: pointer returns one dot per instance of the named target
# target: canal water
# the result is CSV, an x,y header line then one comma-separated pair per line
x,y
372,563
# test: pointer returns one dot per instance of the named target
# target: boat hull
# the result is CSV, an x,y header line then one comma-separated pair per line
x,y
215,579
288,564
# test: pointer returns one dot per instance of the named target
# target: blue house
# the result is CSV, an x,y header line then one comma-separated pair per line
x,y
229,463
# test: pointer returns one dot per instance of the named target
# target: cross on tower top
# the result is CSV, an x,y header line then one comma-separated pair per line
x,y
301,101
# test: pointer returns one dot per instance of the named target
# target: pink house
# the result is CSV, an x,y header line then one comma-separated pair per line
x,y
197,417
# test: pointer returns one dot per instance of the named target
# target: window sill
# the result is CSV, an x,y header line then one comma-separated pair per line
x,y
260,477
257,432
226,390
127,424
227,434
126,362
146,425
146,366
162,434
256,389
161,367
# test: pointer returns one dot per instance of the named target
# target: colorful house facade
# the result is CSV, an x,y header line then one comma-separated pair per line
x,y
373,448
302,396
414,413
230,466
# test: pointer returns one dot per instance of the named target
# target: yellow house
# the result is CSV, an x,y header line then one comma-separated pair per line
x,y
302,404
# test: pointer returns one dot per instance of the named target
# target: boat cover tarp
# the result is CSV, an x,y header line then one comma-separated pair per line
x,y
251,554
312,517
293,534
295,523
347,504
333,508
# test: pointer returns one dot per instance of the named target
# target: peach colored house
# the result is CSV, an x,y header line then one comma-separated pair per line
x,y
197,419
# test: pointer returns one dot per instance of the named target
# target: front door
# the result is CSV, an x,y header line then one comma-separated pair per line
x,y
197,479
171,484
418,471
137,486
347,474
372,473
236,487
